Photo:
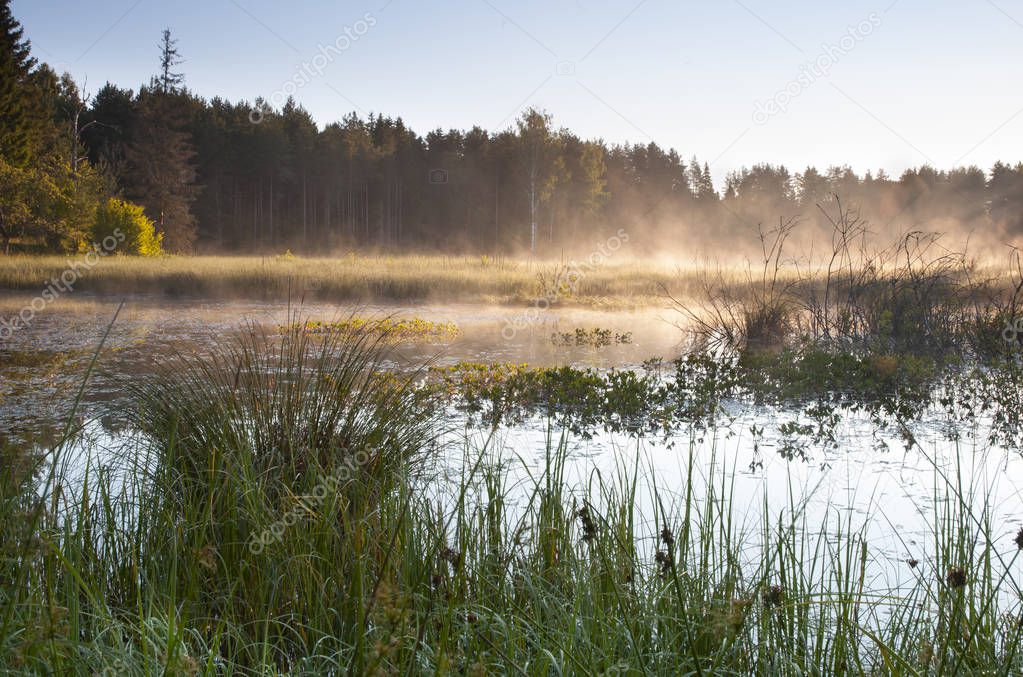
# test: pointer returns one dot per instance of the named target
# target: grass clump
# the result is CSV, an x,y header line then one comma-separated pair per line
x,y
249,528
291,459
397,329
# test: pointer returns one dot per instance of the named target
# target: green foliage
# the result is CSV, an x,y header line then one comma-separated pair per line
x,y
160,173
581,400
381,574
24,119
48,203
699,392
16,201
68,200
270,179
128,224
280,513
47,195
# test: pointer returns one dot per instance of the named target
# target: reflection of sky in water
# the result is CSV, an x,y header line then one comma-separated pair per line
x,y
888,495
869,482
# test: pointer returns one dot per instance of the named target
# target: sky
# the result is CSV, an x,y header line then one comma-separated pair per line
x,y
886,85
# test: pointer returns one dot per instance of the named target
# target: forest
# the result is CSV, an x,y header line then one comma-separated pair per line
x,y
216,176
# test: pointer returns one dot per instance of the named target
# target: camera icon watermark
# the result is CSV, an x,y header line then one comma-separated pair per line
x,y
438,176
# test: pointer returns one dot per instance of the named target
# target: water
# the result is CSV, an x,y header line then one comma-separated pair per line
x,y
870,481
147,331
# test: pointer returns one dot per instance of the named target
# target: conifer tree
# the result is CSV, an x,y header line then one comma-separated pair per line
x,y
22,115
160,154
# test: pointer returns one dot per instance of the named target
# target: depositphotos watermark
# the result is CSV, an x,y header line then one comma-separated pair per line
x,y
567,281
314,68
63,284
816,69
306,504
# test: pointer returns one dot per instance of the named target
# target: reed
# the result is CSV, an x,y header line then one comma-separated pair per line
x,y
155,560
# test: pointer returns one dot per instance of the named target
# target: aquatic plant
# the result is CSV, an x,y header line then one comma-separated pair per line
x,y
278,512
591,338
397,329
914,297
462,580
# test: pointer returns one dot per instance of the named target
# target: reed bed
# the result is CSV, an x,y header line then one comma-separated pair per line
x,y
278,515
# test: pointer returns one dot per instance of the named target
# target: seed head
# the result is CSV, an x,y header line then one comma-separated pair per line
x,y
664,560
589,527
956,577
773,596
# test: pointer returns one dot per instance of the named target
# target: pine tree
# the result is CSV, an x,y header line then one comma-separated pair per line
x,y
22,114
161,170
168,81
160,155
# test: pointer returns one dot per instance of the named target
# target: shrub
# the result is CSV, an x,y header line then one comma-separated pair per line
x,y
119,218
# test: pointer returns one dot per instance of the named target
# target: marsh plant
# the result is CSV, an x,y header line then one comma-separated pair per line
x,y
912,297
701,390
142,561
591,338
387,575
390,328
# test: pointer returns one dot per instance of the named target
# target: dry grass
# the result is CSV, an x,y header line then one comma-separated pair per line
x,y
359,278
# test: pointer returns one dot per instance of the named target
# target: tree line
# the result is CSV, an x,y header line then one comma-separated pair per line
x,y
221,176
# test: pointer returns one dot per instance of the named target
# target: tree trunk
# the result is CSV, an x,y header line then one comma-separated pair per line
x,y
497,212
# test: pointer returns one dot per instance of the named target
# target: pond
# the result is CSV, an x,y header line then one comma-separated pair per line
x,y
866,480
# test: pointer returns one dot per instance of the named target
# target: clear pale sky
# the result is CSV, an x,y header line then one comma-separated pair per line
x,y
936,81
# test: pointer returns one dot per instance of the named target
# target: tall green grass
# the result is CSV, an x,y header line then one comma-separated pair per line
x,y
148,566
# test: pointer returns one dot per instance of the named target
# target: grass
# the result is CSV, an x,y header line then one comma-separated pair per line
x,y
913,297
277,516
396,329
356,278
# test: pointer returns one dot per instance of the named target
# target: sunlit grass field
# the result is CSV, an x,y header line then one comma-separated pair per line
x,y
361,278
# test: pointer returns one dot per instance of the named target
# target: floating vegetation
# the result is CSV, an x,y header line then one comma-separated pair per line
x,y
398,329
694,392
583,400
43,360
591,338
